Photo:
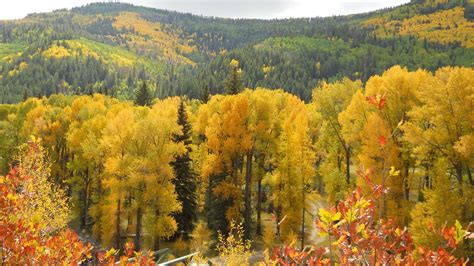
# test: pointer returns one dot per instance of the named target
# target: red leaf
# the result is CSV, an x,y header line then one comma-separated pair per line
x,y
378,101
371,100
381,104
382,140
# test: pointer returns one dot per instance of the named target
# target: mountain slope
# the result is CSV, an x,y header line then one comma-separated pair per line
x,y
109,48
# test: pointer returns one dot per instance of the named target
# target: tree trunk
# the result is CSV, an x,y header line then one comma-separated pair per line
x,y
99,200
156,245
138,229
469,176
128,203
303,210
459,177
117,229
85,206
348,165
235,167
259,207
248,195
277,222
459,172
406,184
339,163
261,163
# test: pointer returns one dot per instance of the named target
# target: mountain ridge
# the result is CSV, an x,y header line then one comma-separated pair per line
x,y
182,53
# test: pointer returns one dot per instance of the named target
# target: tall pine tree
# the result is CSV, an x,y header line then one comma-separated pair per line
x,y
233,83
143,96
216,207
185,178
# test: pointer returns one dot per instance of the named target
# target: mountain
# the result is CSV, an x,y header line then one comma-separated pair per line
x,y
111,47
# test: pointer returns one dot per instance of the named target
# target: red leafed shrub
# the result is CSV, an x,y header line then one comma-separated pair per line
x,y
355,237
25,242
130,257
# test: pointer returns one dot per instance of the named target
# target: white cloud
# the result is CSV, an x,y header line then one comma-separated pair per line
x,y
308,8
225,8
15,9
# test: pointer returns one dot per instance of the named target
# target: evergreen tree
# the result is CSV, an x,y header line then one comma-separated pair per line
x,y
25,94
205,94
143,96
233,83
185,181
217,207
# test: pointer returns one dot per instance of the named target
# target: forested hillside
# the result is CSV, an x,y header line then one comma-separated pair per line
x,y
110,47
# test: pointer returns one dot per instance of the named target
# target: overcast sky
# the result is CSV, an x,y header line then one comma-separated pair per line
x,y
265,9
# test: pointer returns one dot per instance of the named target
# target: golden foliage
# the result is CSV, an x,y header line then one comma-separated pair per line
x,y
56,51
151,37
268,237
138,149
446,26
201,238
233,249
436,210
22,66
46,202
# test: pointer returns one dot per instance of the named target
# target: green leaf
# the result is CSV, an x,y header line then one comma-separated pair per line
x,y
459,232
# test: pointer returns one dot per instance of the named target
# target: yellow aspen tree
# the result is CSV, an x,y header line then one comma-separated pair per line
x,y
88,116
151,177
295,169
46,202
442,206
442,125
229,140
392,96
353,119
264,135
440,129
115,142
329,101
379,153
50,123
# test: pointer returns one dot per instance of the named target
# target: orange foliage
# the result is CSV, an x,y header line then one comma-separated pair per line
x,y
26,242
129,258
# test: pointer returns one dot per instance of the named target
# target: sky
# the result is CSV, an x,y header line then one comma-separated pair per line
x,y
264,9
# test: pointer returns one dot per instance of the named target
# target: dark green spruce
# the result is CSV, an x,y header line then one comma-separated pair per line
x,y
234,84
216,207
185,178
143,96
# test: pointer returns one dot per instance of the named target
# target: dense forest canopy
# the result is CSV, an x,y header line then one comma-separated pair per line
x,y
180,171
109,47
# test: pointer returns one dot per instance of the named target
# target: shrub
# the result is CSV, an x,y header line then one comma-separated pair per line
x,y
356,237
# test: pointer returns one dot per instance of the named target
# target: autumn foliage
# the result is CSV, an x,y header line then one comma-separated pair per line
x,y
356,237
129,257
255,153
23,240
